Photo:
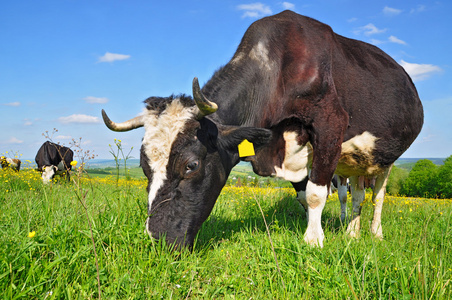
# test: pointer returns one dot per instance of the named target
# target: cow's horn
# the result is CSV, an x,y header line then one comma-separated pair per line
x,y
124,126
205,106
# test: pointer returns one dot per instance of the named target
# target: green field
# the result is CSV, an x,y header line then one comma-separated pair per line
x,y
86,240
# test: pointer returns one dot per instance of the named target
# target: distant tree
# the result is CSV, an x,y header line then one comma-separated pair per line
x,y
245,181
396,180
444,179
255,182
422,180
239,182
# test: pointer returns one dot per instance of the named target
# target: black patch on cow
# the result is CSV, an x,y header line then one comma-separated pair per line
x,y
51,154
159,104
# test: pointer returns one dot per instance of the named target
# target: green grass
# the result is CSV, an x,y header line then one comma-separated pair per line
x,y
232,258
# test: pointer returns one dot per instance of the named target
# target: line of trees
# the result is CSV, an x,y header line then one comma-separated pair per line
x,y
424,180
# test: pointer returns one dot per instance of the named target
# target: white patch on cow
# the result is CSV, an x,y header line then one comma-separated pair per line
x,y
297,159
365,142
237,58
360,146
260,53
47,173
316,199
160,133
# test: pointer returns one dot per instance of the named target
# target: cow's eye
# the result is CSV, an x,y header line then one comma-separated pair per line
x,y
192,166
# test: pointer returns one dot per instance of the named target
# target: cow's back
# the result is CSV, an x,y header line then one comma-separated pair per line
x,y
52,154
379,97
307,57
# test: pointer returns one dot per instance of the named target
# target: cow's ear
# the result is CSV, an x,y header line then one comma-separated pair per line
x,y
231,136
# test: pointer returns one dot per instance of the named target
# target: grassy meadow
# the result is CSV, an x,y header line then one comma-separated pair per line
x,y
86,240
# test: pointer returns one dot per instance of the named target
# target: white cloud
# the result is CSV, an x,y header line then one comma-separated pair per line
x,y
418,9
425,139
376,42
78,118
64,137
351,20
14,140
389,11
28,123
288,5
394,39
255,10
98,100
369,29
12,104
111,57
419,72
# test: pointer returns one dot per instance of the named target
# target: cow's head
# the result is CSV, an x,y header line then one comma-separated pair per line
x,y
187,159
48,173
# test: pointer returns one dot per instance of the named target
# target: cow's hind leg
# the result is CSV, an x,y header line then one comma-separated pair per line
x,y
342,194
378,199
358,195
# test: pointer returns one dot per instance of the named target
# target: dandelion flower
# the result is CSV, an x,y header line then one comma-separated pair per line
x,y
31,234
73,163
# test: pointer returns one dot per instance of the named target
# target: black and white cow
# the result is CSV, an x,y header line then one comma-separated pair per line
x,y
308,99
53,159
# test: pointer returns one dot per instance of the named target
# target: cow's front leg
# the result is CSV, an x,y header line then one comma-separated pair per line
x,y
326,133
316,198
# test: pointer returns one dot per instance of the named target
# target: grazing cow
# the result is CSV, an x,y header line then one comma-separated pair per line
x,y
53,159
309,100
12,163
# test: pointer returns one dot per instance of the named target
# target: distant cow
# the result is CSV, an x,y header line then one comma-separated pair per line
x,y
309,100
12,163
53,159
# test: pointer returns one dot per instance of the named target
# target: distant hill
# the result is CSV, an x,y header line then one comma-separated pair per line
x,y
408,163
242,167
108,163
436,161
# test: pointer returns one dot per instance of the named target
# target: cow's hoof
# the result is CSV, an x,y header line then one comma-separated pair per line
x,y
376,231
314,239
353,227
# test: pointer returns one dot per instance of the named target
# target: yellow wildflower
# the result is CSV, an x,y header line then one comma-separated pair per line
x,y
73,163
31,234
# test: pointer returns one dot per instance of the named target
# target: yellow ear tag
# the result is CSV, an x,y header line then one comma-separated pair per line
x,y
246,148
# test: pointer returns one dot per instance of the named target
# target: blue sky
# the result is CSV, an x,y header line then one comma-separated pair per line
x,y
62,61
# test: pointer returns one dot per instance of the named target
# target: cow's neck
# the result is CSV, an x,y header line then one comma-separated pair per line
x,y
238,96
